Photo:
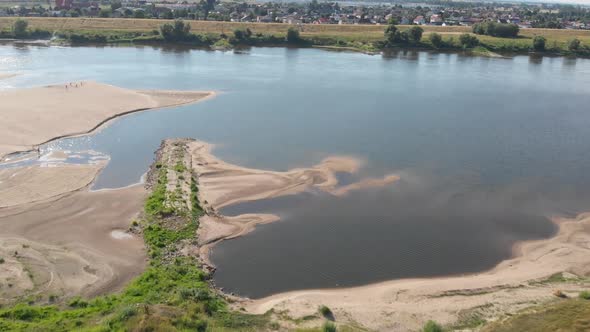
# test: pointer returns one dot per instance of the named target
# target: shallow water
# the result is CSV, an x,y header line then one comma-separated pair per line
x,y
486,148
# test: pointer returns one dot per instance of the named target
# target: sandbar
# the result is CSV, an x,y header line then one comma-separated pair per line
x,y
33,116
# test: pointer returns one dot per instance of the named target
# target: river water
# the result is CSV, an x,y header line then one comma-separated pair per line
x,y
486,149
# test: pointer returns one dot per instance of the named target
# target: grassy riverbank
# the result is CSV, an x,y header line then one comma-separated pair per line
x,y
358,37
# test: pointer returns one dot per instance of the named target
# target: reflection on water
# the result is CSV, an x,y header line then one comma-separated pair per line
x,y
485,147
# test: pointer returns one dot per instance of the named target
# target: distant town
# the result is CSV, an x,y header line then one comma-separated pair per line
x,y
443,13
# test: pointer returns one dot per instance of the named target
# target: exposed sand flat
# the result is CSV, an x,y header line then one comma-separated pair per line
x,y
35,183
33,116
406,304
67,246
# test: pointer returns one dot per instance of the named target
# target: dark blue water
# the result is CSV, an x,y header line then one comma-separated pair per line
x,y
487,148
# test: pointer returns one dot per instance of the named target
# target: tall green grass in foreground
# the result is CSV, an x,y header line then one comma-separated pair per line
x,y
172,294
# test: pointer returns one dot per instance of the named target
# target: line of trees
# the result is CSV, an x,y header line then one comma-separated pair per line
x,y
393,36
506,30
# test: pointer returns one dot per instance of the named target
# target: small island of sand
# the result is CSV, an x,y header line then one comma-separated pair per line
x,y
37,115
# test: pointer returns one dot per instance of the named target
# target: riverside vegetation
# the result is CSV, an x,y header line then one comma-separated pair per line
x,y
173,293
486,38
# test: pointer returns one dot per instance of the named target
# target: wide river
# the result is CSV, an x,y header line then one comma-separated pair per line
x,y
487,150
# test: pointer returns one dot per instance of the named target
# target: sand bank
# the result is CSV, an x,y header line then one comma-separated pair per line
x,y
34,116
222,184
403,305
65,246
21,185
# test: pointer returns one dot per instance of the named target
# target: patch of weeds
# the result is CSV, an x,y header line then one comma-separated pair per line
x,y
432,326
329,327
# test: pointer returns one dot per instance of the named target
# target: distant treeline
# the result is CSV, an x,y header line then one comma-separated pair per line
x,y
179,33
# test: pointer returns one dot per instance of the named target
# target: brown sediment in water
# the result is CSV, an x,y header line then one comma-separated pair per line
x,y
222,184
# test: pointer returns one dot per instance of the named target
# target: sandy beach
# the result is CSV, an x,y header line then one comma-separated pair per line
x,y
21,185
37,115
57,237
64,246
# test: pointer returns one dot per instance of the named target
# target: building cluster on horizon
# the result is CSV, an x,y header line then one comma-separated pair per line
x,y
314,12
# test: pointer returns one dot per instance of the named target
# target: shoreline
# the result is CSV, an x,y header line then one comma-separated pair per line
x,y
513,284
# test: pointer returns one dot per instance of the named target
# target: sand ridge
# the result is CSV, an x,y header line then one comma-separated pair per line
x,y
33,116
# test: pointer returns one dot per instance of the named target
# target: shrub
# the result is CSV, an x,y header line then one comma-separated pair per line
x,y
329,327
325,311
2,260
415,33
179,31
435,39
19,28
77,302
293,35
468,41
574,44
584,295
432,326
242,35
496,29
539,43
127,313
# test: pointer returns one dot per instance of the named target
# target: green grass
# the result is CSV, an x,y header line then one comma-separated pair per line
x,y
432,326
171,294
563,315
